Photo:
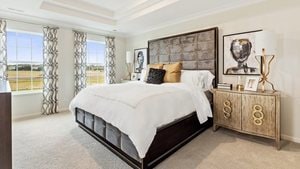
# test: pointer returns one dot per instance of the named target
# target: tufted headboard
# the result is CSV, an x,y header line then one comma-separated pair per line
x,y
196,50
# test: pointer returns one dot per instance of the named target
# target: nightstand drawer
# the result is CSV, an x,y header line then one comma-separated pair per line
x,y
228,109
259,114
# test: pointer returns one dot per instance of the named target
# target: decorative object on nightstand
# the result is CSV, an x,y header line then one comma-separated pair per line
x,y
226,86
134,76
239,86
265,49
255,113
129,61
251,83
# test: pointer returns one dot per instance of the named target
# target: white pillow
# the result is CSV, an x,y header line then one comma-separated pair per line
x,y
197,78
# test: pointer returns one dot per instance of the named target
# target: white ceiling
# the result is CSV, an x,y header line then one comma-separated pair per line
x,y
127,17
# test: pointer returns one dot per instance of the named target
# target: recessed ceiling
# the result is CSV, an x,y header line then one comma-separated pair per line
x,y
126,16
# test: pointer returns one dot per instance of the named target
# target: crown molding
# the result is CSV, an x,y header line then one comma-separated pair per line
x,y
34,20
137,8
86,7
81,8
198,15
144,10
52,7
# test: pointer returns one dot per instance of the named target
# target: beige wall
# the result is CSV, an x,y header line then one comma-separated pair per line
x,y
277,16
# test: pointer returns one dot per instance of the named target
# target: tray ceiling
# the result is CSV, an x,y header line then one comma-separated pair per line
x,y
125,16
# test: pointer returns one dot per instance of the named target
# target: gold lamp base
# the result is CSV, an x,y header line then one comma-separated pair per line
x,y
239,87
128,67
263,81
265,70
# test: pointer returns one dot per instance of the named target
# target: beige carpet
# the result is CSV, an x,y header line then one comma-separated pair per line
x,y
55,142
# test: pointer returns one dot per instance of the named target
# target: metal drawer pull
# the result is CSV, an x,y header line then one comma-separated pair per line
x,y
227,109
257,115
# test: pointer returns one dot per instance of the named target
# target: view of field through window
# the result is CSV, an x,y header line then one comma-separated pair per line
x,y
95,62
25,60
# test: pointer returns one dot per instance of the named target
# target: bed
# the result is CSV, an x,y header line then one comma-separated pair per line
x,y
196,51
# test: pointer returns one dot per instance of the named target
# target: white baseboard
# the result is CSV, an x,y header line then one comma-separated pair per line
x,y
63,110
290,138
25,116
33,115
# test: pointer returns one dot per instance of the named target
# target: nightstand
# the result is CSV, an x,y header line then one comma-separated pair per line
x,y
255,113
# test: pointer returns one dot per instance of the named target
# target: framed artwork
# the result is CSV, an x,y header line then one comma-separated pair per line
x,y
251,83
239,54
140,59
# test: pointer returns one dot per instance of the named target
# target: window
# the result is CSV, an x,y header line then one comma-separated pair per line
x,y
25,60
95,62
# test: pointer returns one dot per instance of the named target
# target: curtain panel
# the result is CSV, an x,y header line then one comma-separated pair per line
x,y
3,50
50,76
80,58
110,57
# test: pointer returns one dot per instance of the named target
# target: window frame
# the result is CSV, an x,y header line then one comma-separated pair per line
x,y
17,62
94,63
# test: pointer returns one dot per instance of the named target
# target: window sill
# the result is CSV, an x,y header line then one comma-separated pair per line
x,y
31,92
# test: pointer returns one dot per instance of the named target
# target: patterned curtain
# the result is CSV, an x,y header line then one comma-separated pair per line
x,y
110,74
3,50
80,60
50,77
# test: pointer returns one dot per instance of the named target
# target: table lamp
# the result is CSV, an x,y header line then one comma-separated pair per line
x,y
265,50
129,61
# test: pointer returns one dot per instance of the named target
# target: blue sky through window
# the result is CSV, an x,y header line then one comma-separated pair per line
x,y
29,48
24,47
95,52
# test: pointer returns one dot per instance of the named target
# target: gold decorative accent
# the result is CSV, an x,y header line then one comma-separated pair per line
x,y
239,87
257,115
265,70
227,109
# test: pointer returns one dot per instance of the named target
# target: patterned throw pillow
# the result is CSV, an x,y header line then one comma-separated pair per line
x,y
156,76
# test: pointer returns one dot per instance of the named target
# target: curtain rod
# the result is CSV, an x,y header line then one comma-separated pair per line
x,y
42,25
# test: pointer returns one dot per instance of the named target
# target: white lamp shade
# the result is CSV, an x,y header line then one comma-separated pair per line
x,y
265,40
129,58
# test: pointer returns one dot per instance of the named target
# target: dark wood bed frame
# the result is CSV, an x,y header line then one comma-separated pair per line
x,y
167,141
170,137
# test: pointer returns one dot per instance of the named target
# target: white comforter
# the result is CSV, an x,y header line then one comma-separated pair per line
x,y
138,109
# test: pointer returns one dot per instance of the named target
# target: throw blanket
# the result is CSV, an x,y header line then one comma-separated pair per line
x,y
138,109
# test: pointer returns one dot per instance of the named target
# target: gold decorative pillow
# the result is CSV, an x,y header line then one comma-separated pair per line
x,y
145,73
173,72
155,66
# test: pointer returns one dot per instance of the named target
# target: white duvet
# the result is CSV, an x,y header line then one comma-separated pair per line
x,y
138,109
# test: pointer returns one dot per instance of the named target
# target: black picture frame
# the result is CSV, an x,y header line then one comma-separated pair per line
x,y
236,62
140,59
